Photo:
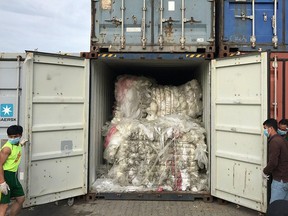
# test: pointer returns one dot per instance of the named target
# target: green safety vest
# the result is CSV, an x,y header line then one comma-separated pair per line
x,y
13,160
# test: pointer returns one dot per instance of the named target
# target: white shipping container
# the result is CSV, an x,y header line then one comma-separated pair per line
x,y
68,99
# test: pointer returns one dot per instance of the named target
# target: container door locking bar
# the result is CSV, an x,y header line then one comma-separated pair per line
x,y
274,26
144,39
122,38
162,20
251,17
184,21
161,39
275,103
182,39
120,21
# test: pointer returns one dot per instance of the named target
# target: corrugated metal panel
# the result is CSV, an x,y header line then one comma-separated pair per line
x,y
252,25
153,26
238,147
102,97
57,124
278,85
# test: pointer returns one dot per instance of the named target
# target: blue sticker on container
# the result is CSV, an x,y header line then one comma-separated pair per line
x,y
6,110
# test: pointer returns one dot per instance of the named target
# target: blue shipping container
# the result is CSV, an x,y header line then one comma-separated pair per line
x,y
251,25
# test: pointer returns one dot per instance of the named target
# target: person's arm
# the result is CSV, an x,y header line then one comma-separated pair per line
x,y
4,154
274,152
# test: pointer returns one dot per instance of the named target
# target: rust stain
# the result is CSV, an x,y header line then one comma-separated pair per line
x,y
106,4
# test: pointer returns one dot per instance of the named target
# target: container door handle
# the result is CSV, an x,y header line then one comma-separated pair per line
x,y
144,39
243,16
115,21
169,21
274,26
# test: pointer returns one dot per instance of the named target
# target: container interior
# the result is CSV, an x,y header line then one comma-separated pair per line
x,y
104,74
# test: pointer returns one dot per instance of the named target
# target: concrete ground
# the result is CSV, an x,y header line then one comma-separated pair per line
x,y
103,207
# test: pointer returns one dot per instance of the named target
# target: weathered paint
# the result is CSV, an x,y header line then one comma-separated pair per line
x,y
281,102
153,26
236,20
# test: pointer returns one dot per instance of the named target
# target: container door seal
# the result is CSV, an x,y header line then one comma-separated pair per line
x,y
57,127
238,147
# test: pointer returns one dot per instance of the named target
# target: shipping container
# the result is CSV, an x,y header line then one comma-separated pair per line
x,y
153,26
251,25
67,100
12,99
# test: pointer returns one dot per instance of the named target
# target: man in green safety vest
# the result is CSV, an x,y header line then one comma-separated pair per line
x,y
10,157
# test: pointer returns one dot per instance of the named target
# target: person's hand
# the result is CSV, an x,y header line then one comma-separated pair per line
x,y
23,142
4,187
265,176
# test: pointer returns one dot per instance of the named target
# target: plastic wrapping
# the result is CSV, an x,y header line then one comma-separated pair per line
x,y
159,154
155,140
132,96
185,99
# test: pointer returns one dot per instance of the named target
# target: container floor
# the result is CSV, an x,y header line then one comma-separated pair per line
x,y
102,207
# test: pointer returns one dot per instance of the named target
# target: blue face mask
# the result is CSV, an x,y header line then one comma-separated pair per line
x,y
266,132
14,141
281,132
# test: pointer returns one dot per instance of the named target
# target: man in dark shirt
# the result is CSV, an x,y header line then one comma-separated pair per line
x,y
277,162
283,127
278,208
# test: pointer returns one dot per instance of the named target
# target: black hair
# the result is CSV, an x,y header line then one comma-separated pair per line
x,y
14,130
283,122
271,123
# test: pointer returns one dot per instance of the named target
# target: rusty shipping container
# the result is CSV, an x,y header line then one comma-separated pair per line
x,y
251,25
278,103
153,26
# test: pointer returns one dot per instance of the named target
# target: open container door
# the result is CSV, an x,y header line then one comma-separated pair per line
x,y
238,148
57,127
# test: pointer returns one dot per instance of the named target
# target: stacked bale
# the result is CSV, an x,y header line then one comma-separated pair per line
x,y
155,140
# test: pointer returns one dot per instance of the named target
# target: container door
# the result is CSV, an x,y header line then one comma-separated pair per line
x,y
238,147
254,21
184,25
57,127
122,25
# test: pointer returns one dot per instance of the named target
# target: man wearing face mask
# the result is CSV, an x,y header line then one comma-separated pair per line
x,y
277,161
10,157
283,127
